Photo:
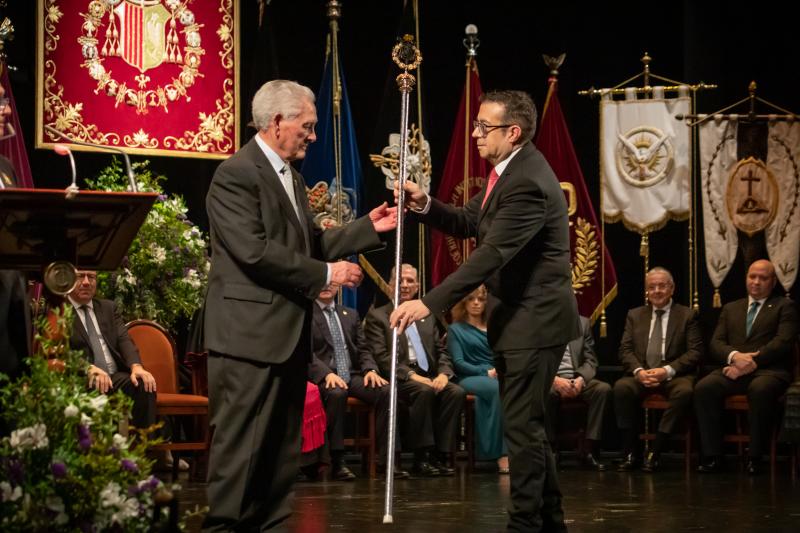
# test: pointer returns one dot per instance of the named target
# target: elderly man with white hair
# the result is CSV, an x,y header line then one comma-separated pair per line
x,y
268,264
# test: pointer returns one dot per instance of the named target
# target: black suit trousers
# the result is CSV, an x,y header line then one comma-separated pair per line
x,y
432,418
628,393
525,380
762,393
257,415
143,414
335,402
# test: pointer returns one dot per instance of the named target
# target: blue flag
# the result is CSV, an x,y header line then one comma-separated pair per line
x,y
320,162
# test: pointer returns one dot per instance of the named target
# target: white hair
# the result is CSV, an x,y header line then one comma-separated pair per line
x,y
403,267
279,97
660,270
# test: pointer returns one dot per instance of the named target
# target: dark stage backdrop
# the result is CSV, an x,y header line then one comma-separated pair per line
x,y
727,43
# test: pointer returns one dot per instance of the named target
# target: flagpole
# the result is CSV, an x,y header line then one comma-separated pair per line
x,y
334,12
471,43
406,55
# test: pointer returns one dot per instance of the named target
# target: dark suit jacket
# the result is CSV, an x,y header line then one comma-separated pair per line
x,y
379,338
683,340
114,332
15,319
361,360
523,256
773,335
584,360
266,266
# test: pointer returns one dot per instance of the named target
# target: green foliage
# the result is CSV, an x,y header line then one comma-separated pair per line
x,y
164,275
65,467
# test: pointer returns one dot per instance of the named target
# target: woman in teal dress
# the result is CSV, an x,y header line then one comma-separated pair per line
x,y
474,366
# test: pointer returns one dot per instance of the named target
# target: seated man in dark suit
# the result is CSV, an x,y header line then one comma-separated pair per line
x,y
343,366
97,329
660,350
575,379
753,345
424,371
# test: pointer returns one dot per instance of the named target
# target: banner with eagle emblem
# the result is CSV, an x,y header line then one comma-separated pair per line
x,y
152,77
645,161
750,184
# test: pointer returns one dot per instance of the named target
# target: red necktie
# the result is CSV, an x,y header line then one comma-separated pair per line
x,y
493,177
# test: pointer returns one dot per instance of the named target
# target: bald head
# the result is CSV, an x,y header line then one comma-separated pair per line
x,y
760,279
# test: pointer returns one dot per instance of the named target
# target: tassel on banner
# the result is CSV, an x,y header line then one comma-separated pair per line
x,y
644,246
717,299
603,325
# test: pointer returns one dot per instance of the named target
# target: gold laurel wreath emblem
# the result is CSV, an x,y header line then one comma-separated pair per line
x,y
587,250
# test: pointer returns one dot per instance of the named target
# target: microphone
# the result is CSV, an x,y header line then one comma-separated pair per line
x,y
128,168
61,149
471,41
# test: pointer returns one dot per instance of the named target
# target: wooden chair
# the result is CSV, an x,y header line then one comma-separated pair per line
x,y
363,441
658,402
739,406
572,409
469,430
158,354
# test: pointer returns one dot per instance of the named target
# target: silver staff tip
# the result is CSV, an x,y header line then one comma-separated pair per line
x,y
387,519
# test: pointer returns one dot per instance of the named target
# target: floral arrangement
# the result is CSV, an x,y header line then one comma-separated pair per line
x,y
65,466
164,275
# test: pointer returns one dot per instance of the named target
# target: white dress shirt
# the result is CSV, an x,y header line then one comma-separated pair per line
x,y
110,362
664,322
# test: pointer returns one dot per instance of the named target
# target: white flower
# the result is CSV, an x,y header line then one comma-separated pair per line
x,y
8,494
120,441
111,497
98,402
56,504
159,254
86,420
71,411
34,437
127,277
193,279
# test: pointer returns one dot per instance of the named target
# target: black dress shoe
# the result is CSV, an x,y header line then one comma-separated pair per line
x,y
711,466
443,469
342,473
590,461
424,469
630,462
754,467
650,463
398,473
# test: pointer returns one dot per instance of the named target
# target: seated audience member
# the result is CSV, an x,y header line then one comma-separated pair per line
x,y
753,344
575,379
423,377
474,365
98,330
660,350
342,366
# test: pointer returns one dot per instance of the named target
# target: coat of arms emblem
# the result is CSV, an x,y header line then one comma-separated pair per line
x,y
145,34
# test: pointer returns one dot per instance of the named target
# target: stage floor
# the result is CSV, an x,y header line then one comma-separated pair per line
x,y
667,501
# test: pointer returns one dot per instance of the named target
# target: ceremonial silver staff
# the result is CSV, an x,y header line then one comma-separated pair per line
x,y
406,55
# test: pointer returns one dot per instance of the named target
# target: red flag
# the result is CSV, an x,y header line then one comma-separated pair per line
x,y
594,288
463,170
14,148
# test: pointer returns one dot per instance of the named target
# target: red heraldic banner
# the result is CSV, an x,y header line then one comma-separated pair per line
x,y
594,288
464,176
152,77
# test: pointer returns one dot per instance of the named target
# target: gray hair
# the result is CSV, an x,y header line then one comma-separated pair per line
x,y
279,97
660,270
403,267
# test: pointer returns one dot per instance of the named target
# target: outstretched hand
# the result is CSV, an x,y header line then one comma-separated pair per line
x,y
384,218
406,313
416,198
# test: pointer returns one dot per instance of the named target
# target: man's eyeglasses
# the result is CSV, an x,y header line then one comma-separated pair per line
x,y
484,129
4,103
